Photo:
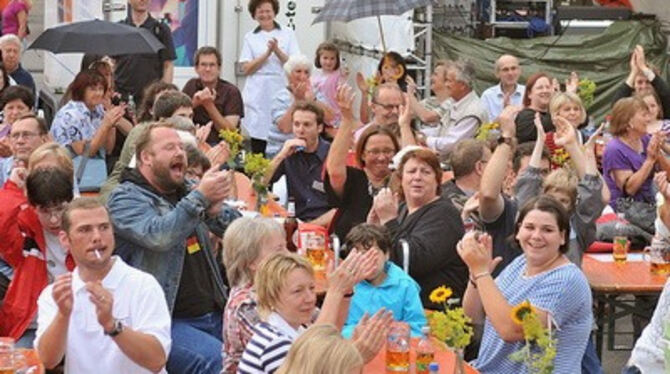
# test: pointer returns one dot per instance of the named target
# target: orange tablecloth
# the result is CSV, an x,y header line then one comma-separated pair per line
x,y
629,277
445,358
32,360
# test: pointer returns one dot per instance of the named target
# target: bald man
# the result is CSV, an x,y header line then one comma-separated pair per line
x,y
508,91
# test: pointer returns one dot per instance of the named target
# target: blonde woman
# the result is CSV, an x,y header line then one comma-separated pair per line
x,y
321,349
246,243
569,106
286,295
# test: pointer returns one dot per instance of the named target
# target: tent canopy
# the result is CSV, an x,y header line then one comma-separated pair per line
x,y
602,58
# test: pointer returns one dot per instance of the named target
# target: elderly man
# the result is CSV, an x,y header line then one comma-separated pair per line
x,y
431,110
162,226
508,91
135,72
105,316
11,47
214,99
27,133
298,69
465,113
386,101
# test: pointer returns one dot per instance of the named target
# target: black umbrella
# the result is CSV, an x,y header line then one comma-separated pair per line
x,y
97,37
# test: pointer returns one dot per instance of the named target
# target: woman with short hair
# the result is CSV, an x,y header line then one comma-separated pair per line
x,y
246,243
428,222
264,51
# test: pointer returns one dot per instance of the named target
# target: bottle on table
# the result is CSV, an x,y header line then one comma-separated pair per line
x,y
425,352
434,368
291,226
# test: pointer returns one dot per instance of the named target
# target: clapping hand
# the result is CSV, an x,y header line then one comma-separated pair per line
x,y
345,101
654,146
370,333
62,294
476,250
565,133
362,84
572,83
18,176
202,132
661,180
103,300
385,205
357,267
506,120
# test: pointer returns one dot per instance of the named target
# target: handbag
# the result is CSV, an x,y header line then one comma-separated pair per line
x,y
90,172
639,213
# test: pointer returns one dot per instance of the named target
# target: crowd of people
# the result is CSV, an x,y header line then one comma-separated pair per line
x,y
121,251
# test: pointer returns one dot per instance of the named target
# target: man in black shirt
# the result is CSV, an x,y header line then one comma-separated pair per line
x,y
162,226
135,72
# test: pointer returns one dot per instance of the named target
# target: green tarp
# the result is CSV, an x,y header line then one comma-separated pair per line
x,y
603,58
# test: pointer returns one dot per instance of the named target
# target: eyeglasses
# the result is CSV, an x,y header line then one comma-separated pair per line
x,y
22,134
388,107
376,152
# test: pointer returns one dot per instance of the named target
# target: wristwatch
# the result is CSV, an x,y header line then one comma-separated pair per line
x,y
507,140
118,328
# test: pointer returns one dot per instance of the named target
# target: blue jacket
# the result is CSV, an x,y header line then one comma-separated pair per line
x,y
151,233
398,293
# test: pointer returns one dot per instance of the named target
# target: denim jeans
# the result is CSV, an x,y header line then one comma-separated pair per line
x,y
590,362
26,340
196,345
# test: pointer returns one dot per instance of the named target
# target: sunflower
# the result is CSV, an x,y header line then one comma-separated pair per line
x,y
520,311
440,294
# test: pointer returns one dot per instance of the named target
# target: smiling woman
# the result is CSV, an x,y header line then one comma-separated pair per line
x,y
536,99
543,275
428,222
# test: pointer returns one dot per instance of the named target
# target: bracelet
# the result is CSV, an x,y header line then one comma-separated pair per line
x,y
480,275
473,283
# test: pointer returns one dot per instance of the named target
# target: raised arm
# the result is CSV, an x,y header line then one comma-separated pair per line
x,y
491,202
336,163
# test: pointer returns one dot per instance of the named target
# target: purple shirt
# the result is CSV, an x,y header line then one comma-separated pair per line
x,y
619,156
10,21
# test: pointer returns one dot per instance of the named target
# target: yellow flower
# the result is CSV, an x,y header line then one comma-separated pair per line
x,y
440,294
520,311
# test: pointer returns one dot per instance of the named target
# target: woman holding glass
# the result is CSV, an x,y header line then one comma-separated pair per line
x,y
543,275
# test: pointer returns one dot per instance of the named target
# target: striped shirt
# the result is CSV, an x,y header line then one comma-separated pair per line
x,y
564,293
268,348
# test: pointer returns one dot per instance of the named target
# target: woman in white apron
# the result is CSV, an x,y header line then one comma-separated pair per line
x,y
264,52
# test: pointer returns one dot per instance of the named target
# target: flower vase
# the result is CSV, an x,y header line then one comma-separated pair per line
x,y
459,362
262,204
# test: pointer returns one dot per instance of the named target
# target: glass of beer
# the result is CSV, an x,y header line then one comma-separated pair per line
x,y
620,249
397,348
7,356
658,258
315,249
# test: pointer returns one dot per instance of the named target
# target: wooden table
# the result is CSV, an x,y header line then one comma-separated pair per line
x,y
611,281
445,358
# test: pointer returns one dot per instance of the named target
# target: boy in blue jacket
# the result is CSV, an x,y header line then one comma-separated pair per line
x,y
390,287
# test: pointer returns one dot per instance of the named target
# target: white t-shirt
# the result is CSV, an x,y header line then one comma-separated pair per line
x,y
139,303
55,256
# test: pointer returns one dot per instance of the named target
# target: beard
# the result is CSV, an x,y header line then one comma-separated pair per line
x,y
165,180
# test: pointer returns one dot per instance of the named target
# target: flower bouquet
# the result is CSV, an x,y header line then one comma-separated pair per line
x,y
450,326
255,167
234,140
539,350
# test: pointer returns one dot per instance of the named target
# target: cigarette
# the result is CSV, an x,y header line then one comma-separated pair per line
x,y
97,254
